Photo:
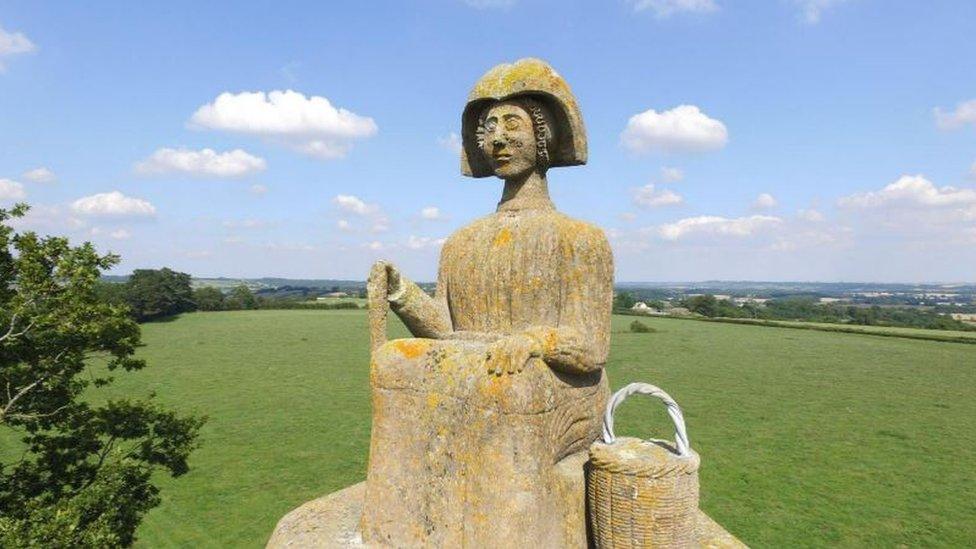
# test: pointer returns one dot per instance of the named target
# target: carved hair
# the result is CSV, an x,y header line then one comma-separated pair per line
x,y
541,127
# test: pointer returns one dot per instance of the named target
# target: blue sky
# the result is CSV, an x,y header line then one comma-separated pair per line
x,y
773,140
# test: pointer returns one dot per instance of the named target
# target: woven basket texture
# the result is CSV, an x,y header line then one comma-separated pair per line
x,y
642,494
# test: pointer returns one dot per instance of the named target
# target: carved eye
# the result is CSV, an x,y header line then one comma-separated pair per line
x,y
490,125
512,124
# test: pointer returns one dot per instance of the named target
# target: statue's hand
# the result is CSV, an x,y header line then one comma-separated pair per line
x,y
394,285
510,354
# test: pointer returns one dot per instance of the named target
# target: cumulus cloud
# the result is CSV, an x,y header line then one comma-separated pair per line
x,y
202,163
11,190
113,204
452,143
666,8
717,226
375,245
683,128
309,124
764,201
671,175
421,242
909,191
40,175
432,213
965,113
117,234
810,215
649,196
13,43
353,204
343,225
258,189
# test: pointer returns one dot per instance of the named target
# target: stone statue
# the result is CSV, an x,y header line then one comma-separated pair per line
x,y
481,421
505,378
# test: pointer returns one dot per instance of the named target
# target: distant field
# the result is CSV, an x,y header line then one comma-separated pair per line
x,y
890,331
807,438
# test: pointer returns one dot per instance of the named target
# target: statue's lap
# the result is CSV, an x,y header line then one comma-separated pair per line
x,y
455,448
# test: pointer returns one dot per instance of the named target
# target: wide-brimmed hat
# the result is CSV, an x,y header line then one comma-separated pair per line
x,y
536,79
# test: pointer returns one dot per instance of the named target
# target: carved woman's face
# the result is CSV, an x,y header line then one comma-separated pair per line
x,y
509,140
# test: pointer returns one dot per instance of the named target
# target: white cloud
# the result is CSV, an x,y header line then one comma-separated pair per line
x,y
717,226
683,128
431,212
202,163
421,242
310,124
764,201
380,224
353,204
13,43
910,191
113,204
965,113
667,8
11,190
812,10
258,189
810,215
343,225
649,196
375,245
671,175
40,175
452,143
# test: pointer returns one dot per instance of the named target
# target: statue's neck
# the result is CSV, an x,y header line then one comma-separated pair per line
x,y
530,192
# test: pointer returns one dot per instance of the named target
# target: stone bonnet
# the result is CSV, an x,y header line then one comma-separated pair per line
x,y
531,78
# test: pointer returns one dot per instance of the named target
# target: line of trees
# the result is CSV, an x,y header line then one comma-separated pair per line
x,y
809,310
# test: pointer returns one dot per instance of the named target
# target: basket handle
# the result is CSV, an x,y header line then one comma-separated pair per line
x,y
680,433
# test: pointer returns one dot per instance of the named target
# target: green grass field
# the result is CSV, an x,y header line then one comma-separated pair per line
x,y
807,438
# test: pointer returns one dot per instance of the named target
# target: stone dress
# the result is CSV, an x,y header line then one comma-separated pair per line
x,y
462,458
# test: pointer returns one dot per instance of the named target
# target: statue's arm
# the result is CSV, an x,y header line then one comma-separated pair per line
x,y
581,343
423,315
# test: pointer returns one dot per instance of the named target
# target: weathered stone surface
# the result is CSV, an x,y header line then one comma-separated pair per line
x,y
505,378
333,521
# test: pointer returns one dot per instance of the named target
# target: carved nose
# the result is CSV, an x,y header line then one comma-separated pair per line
x,y
497,140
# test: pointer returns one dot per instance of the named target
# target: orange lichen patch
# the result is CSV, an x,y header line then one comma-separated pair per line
x,y
503,237
411,348
549,341
433,400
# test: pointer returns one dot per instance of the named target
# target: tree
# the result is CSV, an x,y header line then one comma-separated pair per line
x,y
623,300
84,478
241,297
208,298
154,294
705,305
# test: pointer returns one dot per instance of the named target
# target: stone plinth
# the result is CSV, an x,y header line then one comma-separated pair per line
x,y
333,520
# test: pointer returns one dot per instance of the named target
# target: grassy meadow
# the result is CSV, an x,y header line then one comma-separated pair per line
x,y
807,438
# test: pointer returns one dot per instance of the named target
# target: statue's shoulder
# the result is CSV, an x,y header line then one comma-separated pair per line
x,y
471,232
581,233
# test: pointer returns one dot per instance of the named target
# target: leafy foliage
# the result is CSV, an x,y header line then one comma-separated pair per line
x,y
208,298
639,327
84,478
158,293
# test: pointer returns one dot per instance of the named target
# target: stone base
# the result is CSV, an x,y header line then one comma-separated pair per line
x,y
333,521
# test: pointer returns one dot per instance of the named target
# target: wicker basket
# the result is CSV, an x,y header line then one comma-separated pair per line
x,y
642,493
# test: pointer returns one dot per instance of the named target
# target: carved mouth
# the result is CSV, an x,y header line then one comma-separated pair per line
x,y
502,158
